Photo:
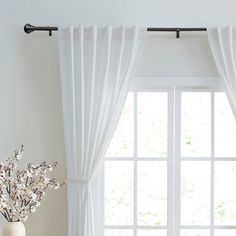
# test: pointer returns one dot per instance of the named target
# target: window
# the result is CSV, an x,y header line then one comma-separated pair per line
x,y
171,166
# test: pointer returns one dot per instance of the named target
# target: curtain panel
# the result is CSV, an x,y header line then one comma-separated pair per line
x,y
96,67
222,42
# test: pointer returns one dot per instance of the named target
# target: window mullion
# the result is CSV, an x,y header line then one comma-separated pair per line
x,y
135,161
212,159
177,161
170,163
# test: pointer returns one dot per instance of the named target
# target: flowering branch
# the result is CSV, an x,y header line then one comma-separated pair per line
x,y
21,191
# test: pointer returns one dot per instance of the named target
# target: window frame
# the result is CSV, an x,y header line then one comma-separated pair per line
x,y
173,87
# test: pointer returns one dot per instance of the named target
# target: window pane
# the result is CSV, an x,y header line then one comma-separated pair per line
x,y
225,127
152,193
225,232
195,232
118,192
195,191
196,124
151,232
225,193
118,232
122,142
152,124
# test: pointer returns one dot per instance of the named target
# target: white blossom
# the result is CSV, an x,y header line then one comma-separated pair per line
x,y
21,191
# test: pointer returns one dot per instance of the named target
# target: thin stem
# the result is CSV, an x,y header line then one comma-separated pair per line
x,y
4,214
21,201
7,213
26,183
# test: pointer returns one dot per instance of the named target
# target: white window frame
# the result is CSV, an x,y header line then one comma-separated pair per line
x,y
174,87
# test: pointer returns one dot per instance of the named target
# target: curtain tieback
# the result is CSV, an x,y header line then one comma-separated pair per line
x,y
78,181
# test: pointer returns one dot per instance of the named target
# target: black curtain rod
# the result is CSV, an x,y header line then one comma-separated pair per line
x,y
28,28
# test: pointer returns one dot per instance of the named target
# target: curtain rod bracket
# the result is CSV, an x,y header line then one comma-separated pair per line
x,y
177,33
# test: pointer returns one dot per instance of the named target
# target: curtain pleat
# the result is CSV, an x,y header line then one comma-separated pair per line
x,y
96,67
223,47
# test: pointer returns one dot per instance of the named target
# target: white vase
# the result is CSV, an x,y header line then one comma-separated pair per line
x,y
14,229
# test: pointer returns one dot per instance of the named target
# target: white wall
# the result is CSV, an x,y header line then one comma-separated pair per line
x,y
30,105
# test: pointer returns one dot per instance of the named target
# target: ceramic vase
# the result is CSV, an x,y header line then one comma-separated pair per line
x,y
14,229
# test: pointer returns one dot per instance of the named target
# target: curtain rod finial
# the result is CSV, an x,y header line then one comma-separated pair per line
x,y
28,28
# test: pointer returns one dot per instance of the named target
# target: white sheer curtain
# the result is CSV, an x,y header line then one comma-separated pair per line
x,y
96,67
223,46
